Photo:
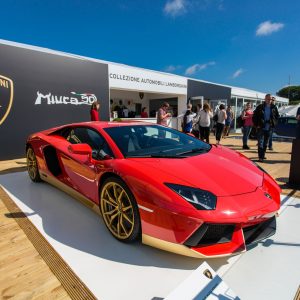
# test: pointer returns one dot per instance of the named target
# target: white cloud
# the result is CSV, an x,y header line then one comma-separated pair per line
x,y
238,73
180,7
220,5
267,28
197,67
175,7
171,68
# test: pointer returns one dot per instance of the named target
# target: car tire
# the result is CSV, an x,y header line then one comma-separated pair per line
x,y
32,166
119,210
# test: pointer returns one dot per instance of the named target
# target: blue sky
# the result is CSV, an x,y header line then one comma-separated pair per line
x,y
253,44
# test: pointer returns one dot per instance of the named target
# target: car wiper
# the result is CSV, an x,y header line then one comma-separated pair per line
x,y
195,150
155,155
165,156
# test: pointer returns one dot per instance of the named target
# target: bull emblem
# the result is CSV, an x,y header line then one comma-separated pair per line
x,y
6,97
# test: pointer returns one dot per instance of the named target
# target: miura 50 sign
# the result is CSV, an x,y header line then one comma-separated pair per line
x,y
6,97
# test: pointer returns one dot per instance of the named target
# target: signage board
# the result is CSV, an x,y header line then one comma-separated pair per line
x,y
40,90
129,78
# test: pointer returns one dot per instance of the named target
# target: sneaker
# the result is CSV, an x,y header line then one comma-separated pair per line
x,y
246,147
261,160
271,149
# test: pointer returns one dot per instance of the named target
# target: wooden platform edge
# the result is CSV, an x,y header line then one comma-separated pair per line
x,y
75,288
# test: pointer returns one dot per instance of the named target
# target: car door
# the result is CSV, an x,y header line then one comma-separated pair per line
x,y
81,170
286,126
291,126
280,128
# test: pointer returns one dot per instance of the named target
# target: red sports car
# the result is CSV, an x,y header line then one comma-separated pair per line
x,y
159,185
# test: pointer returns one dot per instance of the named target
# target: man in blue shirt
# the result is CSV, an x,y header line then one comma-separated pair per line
x,y
264,119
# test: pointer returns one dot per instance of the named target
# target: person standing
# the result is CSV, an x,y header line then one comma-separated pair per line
x,y
204,122
144,114
264,118
196,128
247,118
298,123
230,117
220,123
94,112
163,115
187,122
270,144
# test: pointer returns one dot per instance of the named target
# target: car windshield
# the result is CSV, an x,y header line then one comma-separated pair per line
x,y
155,141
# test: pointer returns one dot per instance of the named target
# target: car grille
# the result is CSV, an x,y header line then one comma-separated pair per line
x,y
209,234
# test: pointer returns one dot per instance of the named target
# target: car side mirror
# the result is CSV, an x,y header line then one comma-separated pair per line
x,y
81,149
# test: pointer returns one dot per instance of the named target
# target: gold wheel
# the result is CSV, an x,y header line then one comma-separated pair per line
x,y
119,210
32,166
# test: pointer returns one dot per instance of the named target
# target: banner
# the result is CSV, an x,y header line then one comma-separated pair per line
x,y
40,90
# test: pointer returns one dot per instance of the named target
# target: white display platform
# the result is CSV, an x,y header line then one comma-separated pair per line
x,y
113,270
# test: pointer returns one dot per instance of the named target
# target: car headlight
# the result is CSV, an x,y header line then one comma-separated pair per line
x,y
200,199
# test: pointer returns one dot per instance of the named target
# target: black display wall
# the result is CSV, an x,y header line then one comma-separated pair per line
x,y
208,90
45,90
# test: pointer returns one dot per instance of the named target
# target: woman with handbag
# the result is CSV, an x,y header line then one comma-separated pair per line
x,y
230,117
196,127
220,123
204,122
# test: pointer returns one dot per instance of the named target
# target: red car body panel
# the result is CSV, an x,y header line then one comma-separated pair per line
x,y
239,185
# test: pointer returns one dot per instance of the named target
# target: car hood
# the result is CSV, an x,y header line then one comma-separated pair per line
x,y
222,171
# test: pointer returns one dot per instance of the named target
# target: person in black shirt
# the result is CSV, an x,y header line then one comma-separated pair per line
x,y
264,119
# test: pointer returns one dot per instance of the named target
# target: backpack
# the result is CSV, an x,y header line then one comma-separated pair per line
x,y
184,122
215,118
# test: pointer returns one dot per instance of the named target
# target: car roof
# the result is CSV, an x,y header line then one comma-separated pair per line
x,y
106,124
98,125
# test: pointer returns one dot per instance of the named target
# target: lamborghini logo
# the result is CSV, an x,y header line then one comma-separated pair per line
x,y
6,97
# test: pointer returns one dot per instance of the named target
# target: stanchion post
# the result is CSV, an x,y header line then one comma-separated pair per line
x,y
294,179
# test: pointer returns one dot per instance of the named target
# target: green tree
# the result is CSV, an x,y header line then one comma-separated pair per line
x,y
292,92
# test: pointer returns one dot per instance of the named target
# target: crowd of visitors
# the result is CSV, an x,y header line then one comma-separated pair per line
x,y
199,123
264,118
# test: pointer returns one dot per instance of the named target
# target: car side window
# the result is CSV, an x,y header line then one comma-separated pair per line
x,y
282,121
83,135
74,136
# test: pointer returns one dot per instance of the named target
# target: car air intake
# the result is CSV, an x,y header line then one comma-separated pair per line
x,y
209,234
258,232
